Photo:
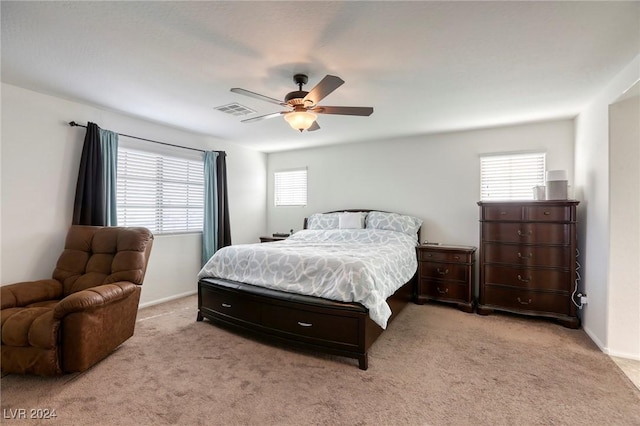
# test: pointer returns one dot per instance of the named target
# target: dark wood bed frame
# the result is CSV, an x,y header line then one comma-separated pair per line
x,y
307,322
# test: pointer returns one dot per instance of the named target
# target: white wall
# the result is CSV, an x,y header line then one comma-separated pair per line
x,y
434,177
592,182
624,215
39,166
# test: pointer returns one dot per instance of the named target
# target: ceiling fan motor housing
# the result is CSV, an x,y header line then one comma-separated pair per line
x,y
295,98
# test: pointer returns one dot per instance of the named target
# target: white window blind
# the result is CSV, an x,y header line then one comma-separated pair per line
x,y
290,187
511,176
160,192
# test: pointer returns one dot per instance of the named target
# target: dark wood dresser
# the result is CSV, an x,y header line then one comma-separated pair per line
x,y
446,274
528,259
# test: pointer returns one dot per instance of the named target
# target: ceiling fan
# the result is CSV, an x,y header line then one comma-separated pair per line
x,y
304,105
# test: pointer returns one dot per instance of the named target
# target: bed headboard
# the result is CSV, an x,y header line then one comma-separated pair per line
x,y
304,225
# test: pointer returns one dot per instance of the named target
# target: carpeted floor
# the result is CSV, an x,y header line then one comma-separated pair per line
x,y
434,365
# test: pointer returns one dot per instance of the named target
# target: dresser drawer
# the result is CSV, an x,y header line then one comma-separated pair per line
x,y
537,213
524,300
314,325
548,213
444,271
524,255
445,290
228,304
502,212
530,233
528,278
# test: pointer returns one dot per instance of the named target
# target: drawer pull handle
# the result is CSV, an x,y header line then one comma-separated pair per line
x,y
445,291
304,324
529,256
547,213
456,257
524,234
429,255
524,280
445,272
503,213
524,303
226,305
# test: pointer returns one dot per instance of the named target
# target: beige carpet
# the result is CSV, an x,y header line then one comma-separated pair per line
x,y
434,366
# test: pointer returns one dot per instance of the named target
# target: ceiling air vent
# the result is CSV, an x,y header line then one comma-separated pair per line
x,y
235,109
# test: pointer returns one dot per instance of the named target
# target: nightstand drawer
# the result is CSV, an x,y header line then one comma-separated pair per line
x,y
444,271
442,256
445,290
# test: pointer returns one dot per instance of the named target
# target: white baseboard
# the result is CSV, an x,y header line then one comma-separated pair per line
x,y
166,299
595,340
625,355
603,348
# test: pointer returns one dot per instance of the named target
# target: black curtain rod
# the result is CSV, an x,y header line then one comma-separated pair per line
x,y
74,124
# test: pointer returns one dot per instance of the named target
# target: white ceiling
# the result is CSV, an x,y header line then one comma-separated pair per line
x,y
424,66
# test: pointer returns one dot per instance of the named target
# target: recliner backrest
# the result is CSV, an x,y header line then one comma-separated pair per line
x,y
96,255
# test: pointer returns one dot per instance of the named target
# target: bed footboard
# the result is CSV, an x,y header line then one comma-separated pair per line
x,y
307,322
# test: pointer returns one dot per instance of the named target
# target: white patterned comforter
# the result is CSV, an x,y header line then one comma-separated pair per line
x,y
348,265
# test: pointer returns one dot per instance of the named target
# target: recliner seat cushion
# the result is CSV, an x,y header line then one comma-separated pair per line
x,y
30,340
30,326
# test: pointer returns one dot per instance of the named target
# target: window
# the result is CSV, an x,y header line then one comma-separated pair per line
x,y
511,176
290,187
161,192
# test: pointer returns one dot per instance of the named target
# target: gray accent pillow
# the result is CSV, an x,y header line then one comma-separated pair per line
x,y
323,221
393,222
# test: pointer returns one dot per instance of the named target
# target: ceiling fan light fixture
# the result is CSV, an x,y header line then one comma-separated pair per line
x,y
300,120
303,106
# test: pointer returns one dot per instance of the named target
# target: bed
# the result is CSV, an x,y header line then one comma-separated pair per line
x,y
332,287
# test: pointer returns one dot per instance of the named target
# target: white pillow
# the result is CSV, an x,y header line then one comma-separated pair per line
x,y
351,221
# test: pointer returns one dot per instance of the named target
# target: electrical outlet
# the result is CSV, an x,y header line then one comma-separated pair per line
x,y
583,299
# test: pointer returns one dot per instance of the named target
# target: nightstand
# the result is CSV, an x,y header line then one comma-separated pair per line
x,y
446,274
271,239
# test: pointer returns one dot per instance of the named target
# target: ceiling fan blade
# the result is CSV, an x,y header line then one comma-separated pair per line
x,y
327,85
313,127
257,96
264,117
363,111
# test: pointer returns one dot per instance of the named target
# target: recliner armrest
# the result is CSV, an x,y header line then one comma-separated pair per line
x,y
27,292
93,297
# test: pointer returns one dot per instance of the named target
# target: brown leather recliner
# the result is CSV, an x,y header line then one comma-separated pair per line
x,y
77,318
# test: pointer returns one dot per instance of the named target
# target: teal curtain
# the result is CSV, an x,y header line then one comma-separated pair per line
x,y
109,145
210,226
